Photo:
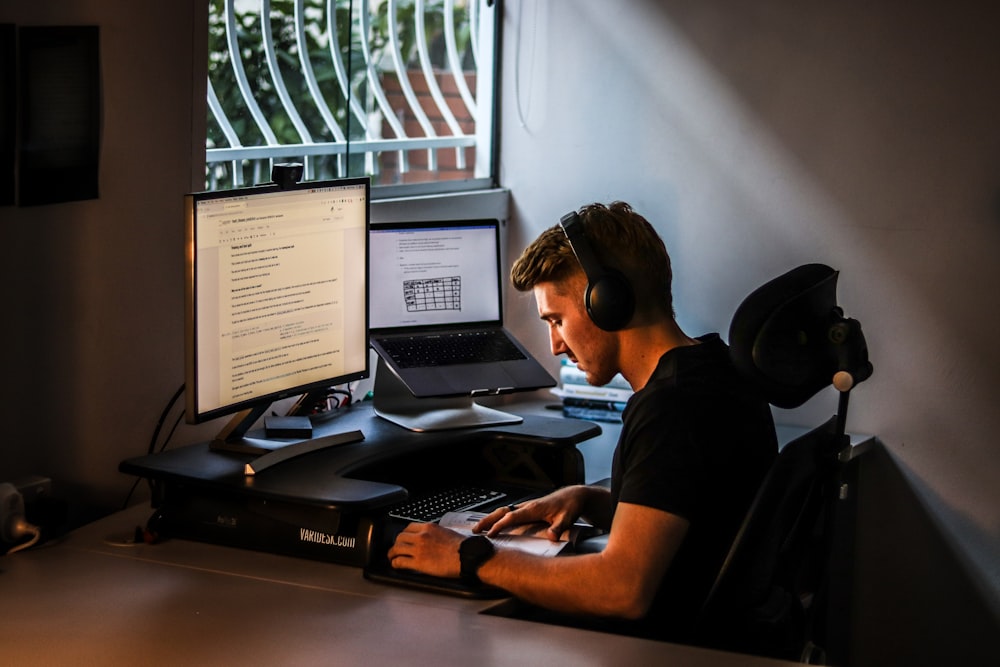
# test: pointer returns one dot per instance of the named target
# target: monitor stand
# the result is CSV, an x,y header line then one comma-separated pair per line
x,y
269,452
396,403
232,437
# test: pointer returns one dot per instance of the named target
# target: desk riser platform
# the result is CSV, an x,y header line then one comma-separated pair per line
x,y
331,504
293,529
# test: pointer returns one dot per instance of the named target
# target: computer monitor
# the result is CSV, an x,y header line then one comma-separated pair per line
x,y
276,294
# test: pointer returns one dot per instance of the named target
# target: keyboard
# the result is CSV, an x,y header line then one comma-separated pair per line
x,y
430,507
448,349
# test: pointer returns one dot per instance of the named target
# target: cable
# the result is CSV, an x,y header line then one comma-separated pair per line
x,y
321,403
13,525
522,113
151,449
163,417
172,430
20,527
346,393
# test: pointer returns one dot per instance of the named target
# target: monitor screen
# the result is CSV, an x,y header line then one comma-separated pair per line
x,y
276,293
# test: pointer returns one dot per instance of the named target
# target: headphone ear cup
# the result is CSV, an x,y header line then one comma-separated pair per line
x,y
610,301
609,298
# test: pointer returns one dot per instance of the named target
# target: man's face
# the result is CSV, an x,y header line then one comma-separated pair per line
x,y
573,333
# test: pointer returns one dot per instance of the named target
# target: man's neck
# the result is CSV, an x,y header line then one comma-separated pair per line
x,y
642,347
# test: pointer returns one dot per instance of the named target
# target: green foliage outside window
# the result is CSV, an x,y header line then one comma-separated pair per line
x,y
250,38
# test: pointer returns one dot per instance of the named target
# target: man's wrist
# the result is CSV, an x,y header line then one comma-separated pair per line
x,y
472,553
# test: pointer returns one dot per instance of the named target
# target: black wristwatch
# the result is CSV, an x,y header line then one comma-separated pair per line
x,y
472,553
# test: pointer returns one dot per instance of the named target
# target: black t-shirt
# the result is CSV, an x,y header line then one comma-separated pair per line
x,y
696,441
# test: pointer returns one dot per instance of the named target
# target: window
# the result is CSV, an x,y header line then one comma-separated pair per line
x,y
399,90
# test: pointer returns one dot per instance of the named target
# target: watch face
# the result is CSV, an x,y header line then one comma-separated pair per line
x,y
476,547
473,552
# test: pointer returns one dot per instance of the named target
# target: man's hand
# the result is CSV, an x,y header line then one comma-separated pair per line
x,y
558,510
427,548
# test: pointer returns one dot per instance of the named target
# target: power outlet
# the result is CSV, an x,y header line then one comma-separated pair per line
x,y
34,488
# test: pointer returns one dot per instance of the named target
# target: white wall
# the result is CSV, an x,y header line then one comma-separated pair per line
x,y
759,136
92,340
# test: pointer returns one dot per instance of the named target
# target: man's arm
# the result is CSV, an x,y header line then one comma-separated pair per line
x,y
619,582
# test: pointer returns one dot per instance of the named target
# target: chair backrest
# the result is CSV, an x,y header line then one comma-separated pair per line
x,y
760,601
790,337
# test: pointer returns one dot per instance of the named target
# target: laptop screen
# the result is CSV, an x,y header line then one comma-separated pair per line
x,y
435,274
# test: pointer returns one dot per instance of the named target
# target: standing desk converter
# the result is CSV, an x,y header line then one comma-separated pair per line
x,y
330,504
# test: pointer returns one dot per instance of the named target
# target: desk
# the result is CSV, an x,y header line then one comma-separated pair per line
x,y
89,600
84,601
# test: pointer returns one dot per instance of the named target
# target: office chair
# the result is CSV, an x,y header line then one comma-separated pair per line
x,y
771,596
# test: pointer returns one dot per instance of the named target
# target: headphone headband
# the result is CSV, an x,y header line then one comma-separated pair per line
x,y
572,226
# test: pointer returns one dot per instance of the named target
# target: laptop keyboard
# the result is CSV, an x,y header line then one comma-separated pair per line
x,y
449,349
431,507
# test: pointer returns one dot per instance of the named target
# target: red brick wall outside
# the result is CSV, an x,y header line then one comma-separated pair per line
x,y
447,169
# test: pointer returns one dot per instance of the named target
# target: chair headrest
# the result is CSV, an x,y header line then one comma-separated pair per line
x,y
790,337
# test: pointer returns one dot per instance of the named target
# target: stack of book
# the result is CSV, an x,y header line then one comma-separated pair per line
x,y
585,401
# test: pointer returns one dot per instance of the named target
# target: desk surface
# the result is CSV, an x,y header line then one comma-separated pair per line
x,y
96,598
89,600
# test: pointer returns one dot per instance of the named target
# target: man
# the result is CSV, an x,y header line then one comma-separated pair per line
x,y
695,443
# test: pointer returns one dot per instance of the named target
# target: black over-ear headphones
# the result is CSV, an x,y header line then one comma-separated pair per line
x,y
609,298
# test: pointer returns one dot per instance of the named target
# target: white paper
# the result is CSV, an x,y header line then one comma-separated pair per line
x,y
529,538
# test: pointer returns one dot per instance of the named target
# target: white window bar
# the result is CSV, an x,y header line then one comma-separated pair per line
x,y
366,139
454,62
241,77
227,129
374,86
279,82
310,74
432,85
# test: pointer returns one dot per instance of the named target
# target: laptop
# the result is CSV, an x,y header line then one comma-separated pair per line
x,y
437,285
